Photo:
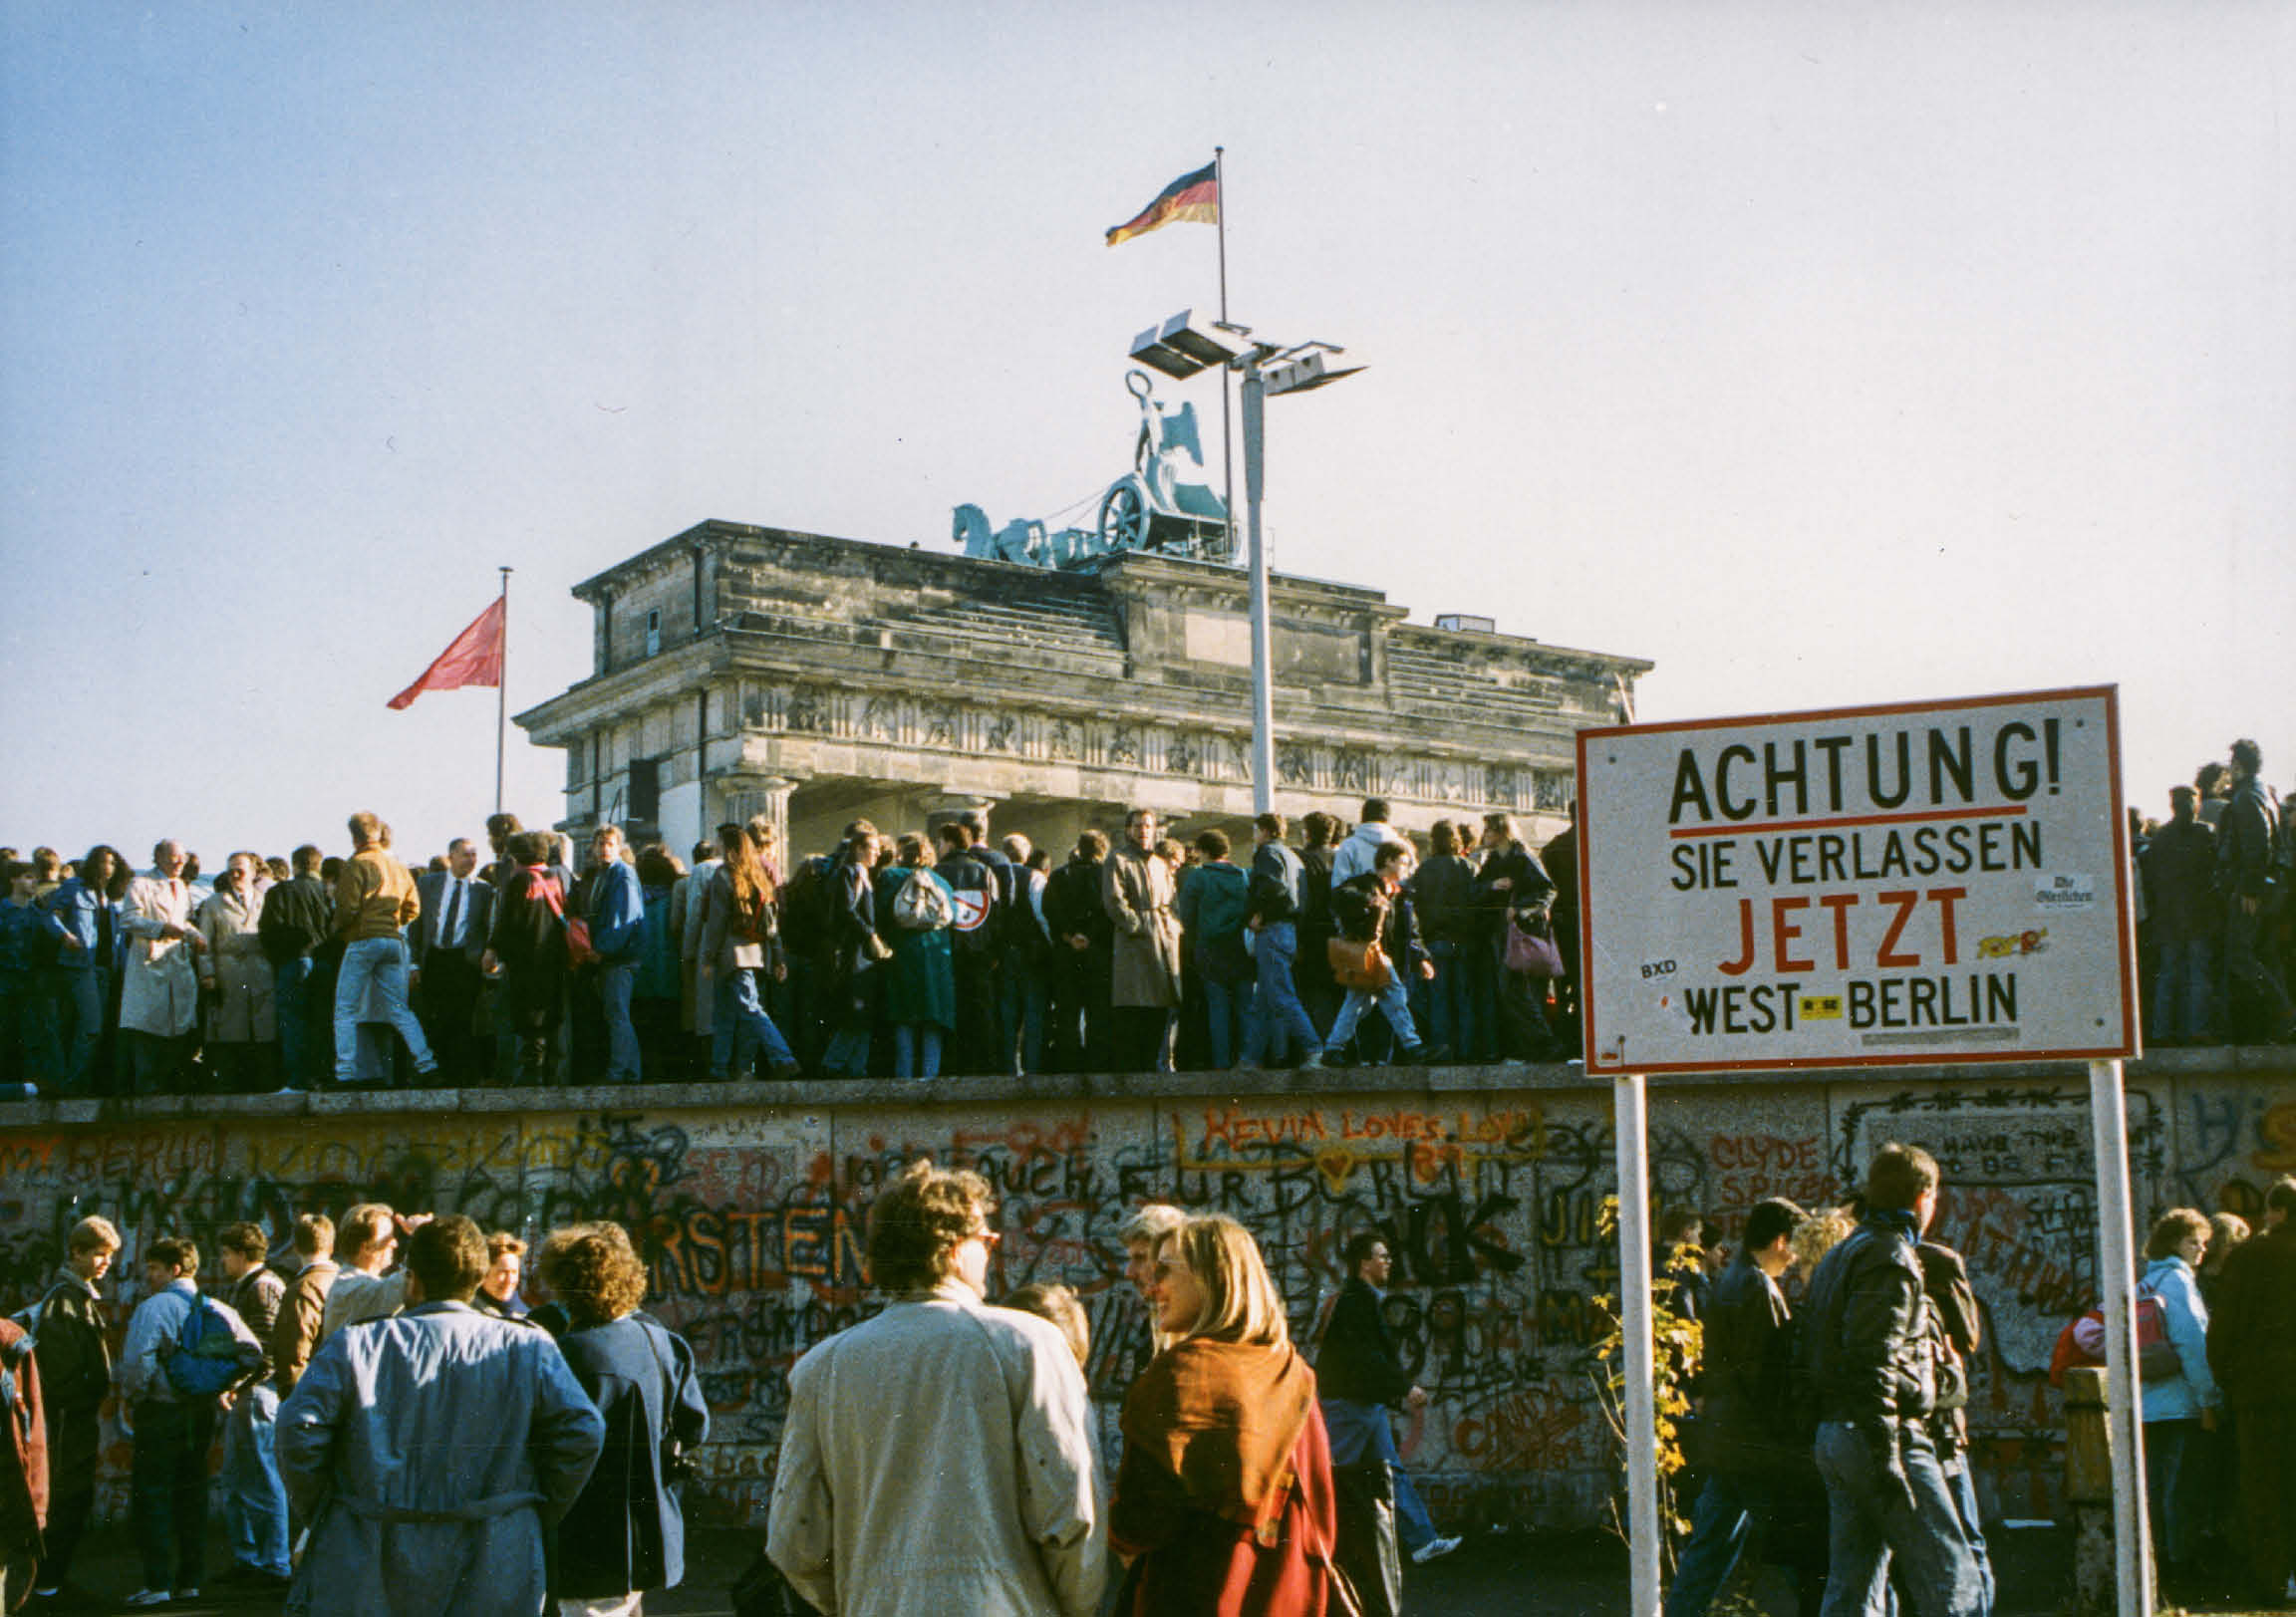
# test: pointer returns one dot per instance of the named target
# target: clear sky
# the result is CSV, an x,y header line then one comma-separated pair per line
x,y
1823,353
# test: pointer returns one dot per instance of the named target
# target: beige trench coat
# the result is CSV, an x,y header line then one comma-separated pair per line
x,y
160,985
241,973
1136,889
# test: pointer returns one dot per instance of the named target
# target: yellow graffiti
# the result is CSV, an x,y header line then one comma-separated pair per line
x,y
1423,1143
2278,1154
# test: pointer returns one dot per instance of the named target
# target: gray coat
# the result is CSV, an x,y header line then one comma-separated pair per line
x,y
428,1450
1136,889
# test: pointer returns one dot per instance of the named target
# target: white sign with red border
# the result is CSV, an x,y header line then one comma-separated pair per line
x,y
1925,881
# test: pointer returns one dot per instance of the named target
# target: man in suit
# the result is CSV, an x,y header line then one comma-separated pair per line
x,y
449,941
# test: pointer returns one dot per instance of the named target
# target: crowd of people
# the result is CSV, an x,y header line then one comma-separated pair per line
x,y
410,1416
919,954
911,955
2215,931
1832,1433
419,1427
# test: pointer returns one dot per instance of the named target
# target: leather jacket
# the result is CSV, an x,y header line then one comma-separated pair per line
x,y
1866,1334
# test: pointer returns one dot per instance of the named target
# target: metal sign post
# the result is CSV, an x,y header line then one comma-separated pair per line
x,y
1867,888
1640,1404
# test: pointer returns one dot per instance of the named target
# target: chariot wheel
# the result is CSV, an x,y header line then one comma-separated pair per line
x,y
1124,518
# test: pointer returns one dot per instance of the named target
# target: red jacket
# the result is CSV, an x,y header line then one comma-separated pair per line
x,y
24,1460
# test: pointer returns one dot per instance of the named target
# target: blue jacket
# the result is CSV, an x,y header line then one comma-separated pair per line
x,y
89,916
2181,1397
28,936
617,913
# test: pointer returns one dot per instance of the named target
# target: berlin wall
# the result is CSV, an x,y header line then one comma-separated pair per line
x,y
750,1206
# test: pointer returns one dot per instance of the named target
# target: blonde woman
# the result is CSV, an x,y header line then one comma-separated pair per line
x,y
1224,1503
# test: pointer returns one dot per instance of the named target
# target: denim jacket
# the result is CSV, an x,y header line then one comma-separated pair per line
x,y
2180,1397
89,916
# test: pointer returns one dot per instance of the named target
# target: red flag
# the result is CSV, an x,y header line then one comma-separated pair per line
x,y
475,659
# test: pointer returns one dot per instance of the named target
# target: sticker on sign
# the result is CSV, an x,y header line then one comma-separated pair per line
x,y
1926,881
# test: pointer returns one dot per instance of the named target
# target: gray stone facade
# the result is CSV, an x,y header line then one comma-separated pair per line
x,y
739,670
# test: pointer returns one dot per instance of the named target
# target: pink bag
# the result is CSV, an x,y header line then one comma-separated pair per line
x,y
1532,953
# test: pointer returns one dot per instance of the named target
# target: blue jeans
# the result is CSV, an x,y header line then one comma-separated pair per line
x,y
167,1490
1023,995
739,1025
382,960
88,989
27,1021
291,1008
2180,991
1720,1527
255,1502
1394,1003
915,1041
1872,1520
2168,1486
1361,1432
1961,1478
1224,1018
1275,1020
614,986
1450,1006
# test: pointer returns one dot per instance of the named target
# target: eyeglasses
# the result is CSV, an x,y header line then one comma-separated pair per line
x,y
987,1237
1165,1268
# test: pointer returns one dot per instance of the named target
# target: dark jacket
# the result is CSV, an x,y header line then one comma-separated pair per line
x,y
1072,906
434,888
2252,1325
1278,884
1357,1361
255,1297
1443,890
2245,841
75,1352
626,1531
1528,887
1755,1419
2180,869
528,937
975,883
298,916
1361,909
1865,1345
1315,901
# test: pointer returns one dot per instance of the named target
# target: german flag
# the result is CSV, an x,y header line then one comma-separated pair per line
x,y
1191,196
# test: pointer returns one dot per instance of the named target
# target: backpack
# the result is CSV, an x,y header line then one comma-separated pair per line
x,y
975,887
2082,1343
923,904
808,901
579,952
206,1357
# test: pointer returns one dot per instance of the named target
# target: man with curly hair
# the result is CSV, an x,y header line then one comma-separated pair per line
x,y
984,1495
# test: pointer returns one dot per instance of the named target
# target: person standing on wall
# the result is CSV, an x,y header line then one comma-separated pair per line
x,y
1276,1023
1138,890
374,900
1359,1378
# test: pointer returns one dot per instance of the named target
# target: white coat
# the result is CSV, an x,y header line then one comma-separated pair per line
x,y
984,1497
160,985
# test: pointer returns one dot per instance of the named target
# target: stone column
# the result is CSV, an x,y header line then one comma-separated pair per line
x,y
748,795
942,807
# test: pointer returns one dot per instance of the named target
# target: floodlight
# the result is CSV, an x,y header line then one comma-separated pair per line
x,y
1180,348
1305,371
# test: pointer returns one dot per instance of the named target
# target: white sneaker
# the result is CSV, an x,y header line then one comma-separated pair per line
x,y
146,1597
1432,1549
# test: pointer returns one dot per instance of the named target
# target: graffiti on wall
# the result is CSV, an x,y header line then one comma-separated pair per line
x,y
754,1226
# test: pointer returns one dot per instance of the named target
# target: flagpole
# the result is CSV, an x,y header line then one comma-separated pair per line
x,y
1227,451
502,694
